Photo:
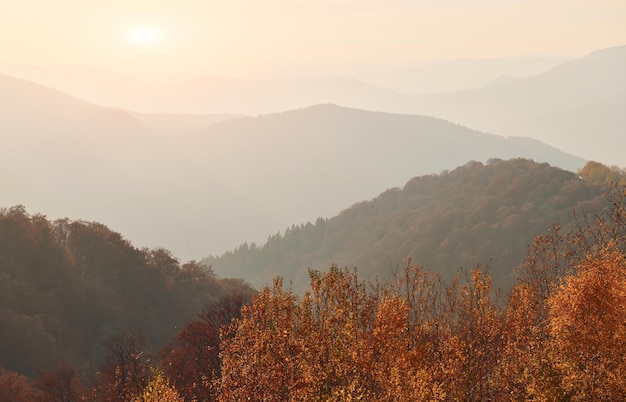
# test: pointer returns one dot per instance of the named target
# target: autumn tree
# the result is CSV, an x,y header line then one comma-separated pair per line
x,y
588,329
158,389
407,333
60,385
126,370
191,361
14,387
472,343
402,368
346,340
314,348
601,173
261,353
553,306
343,312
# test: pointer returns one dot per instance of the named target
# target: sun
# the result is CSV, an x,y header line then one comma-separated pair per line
x,y
145,36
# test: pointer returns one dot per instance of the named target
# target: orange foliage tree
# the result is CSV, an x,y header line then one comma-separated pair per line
x,y
261,353
564,320
14,387
158,390
588,328
414,339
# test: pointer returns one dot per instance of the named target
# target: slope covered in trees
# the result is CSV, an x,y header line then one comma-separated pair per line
x,y
66,287
558,335
474,214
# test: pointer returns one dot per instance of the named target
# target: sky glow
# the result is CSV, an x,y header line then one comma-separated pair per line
x,y
245,37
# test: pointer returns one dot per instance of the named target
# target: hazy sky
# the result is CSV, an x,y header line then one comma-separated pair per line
x,y
238,37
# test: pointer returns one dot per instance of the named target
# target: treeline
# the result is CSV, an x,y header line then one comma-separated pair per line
x,y
559,335
474,214
67,286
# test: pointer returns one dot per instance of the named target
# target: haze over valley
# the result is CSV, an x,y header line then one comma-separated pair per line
x,y
163,179
201,184
203,191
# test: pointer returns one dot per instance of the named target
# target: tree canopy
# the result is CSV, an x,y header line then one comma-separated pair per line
x,y
66,286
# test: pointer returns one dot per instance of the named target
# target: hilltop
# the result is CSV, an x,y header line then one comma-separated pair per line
x,y
476,214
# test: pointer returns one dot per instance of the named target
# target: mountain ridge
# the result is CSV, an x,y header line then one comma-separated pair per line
x,y
575,106
474,214
564,106
241,177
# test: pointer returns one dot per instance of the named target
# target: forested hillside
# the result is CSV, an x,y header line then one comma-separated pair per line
x,y
559,336
68,286
474,214
89,317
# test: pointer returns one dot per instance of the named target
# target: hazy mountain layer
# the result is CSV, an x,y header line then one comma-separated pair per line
x,y
205,191
180,122
137,92
477,213
450,76
576,106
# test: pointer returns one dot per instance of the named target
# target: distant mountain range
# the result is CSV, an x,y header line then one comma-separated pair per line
x,y
576,106
202,94
476,214
200,192
140,92
180,122
450,76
